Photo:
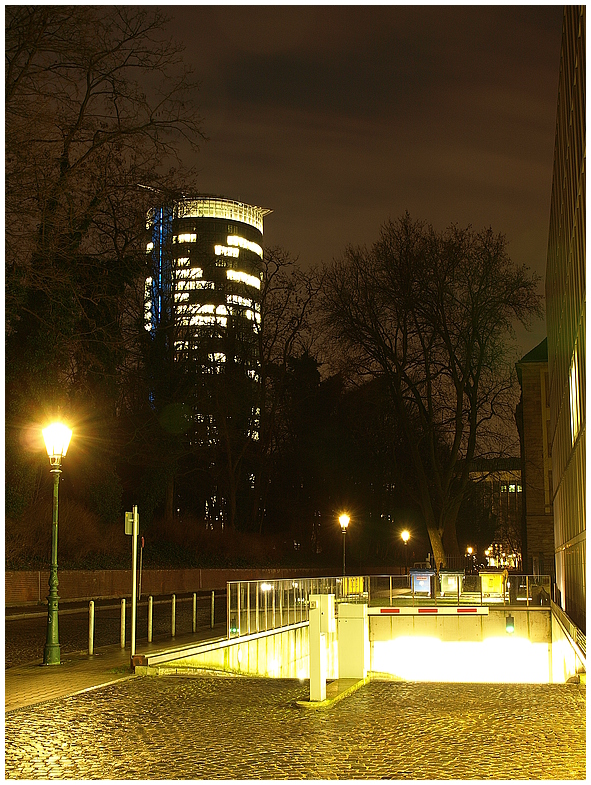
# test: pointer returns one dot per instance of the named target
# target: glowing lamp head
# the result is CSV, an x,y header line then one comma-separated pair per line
x,y
405,536
510,624
469,550
57,440
344,521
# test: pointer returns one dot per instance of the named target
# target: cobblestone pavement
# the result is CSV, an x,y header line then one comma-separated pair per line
x,y
25,638
209,727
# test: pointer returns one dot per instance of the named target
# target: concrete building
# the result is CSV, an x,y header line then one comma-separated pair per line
x,y
565,316
533,421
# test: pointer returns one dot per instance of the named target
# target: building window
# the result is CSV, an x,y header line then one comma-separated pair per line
x,y
575,409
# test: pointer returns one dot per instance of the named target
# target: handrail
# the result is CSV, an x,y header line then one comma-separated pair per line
x,y
577,637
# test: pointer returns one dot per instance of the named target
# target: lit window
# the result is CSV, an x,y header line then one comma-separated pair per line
x,y
223,250
238,300
511,489
246,244
191,272
249,280
149,247
575,410
184,238
182,261
178,297
148,304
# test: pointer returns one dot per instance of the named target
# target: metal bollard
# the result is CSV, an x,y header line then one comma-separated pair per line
x,y
194,613
91,627
123,623
212,613
150,609
173,620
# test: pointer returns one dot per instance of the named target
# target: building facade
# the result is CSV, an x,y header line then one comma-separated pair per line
x,y
203,308
533,421
565,316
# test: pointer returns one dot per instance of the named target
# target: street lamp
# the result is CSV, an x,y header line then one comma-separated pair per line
x,y
344,521
57,439
405,538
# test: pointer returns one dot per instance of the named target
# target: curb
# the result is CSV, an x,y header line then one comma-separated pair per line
x,y
330,701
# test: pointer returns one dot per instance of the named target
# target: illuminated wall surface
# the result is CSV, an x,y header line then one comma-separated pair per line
x,y
204,287
409,648
565,316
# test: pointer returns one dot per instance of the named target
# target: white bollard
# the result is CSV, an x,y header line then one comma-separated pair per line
x,y
91,627
212,612
123,623
194,613
173,620
150,609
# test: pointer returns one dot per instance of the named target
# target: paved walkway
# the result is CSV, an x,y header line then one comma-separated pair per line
x,y
32,683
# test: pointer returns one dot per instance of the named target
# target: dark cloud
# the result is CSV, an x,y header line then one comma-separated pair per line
x,y
338,118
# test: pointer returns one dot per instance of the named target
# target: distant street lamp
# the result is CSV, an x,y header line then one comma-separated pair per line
x,y
344,521
405,538
57,439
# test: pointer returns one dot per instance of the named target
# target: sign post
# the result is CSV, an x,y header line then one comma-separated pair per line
x,y
132,520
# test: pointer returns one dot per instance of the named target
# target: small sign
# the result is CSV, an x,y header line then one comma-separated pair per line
x,y
128,523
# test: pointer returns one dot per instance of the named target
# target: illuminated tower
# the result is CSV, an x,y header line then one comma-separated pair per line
x,y
203,299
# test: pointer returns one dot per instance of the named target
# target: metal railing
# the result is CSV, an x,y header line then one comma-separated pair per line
x,y
571,629
260,606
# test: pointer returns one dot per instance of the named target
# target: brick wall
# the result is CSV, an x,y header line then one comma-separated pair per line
x,y
32,587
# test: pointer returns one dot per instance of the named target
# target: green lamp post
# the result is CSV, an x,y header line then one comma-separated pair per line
x,y
57,439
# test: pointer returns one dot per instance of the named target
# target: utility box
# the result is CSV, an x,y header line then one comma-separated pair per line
x,y
451,582
420,582
353,639
492,583
327,615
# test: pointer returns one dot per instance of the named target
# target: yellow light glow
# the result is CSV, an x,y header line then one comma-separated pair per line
x,y
469,550
223,250
344,521
233,239
493,660
149,247
405,535
249,280
211,207
57,439
185,238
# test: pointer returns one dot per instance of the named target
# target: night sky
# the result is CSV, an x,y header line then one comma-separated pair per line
x,y
338,118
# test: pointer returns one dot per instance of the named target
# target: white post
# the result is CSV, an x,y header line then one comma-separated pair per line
x,y
212,610
134,576
91,627
257,607
150,609
122,636
173,620
194,612
248,608
317,648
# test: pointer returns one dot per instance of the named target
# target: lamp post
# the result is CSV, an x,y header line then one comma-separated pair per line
x,y
469,552
344,521
405,538
57,439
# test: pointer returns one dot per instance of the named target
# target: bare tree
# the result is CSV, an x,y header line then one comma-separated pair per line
x,y
287,299
97,102
433,313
